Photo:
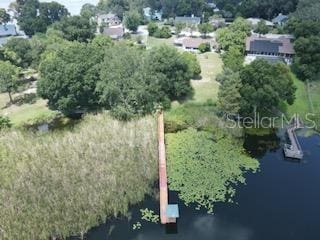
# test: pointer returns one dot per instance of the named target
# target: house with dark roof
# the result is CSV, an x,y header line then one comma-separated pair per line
x,y
280,48
280,20
188,20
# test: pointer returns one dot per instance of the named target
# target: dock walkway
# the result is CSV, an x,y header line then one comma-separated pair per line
x,y
293,150
168,213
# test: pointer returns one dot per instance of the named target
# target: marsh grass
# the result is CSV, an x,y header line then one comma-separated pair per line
x,y
62,184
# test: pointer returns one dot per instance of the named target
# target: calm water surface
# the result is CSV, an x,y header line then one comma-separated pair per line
x,y
281,202
74,6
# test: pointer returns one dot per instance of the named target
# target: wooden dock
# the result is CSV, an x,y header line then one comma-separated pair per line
x,y
163,184
293,150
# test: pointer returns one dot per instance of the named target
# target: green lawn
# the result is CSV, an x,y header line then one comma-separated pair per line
x,y
25,113
153,42
207,88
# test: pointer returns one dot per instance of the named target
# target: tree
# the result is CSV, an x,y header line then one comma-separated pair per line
x,y
179,26
264,86
234,35
36,17
163,32
194,65
307,60
233,59
18,51
76,28
4,16
8,78
52,12
152,28
88,10
172,71
102,41
262,27
308,10
204,47
205,28
229,97
132,20
69,76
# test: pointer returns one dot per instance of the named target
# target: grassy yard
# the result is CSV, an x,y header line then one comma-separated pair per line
x,y
307,101
207,88
153,42
25,113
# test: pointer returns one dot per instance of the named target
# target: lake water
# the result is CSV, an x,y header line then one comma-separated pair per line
x,y
74,6
280,202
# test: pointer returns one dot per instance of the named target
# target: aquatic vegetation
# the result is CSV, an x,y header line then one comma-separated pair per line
x,y
63,183
204,167
149,215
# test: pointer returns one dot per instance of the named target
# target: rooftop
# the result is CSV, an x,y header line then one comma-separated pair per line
x,y
281,45
172,211
280,18
193,42
8,30
192,19
114,32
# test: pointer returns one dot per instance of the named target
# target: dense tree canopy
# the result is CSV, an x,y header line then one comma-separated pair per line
x,y
36,17
132,20
69,76
234,35
126,80
76,28
264,86
18,51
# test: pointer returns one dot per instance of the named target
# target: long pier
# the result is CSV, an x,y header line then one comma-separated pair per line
x,y
293,150
168,213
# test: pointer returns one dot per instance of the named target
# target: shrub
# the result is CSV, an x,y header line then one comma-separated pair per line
x,y
204,47
4,122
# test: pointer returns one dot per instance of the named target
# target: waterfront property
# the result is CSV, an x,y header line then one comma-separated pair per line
x,y
269,47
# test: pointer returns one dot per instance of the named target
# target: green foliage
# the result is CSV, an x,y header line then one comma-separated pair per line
x,y
262,27
264,8
308,10
229,97
69,76
179,26
18,51
204,167
149,215
234,35
204,47
194,65
4,16
205,28
88,10
4,123
36,17
163,32
8,78
132,20
233,59
264,86
307,59
76,28
152,28
63,184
